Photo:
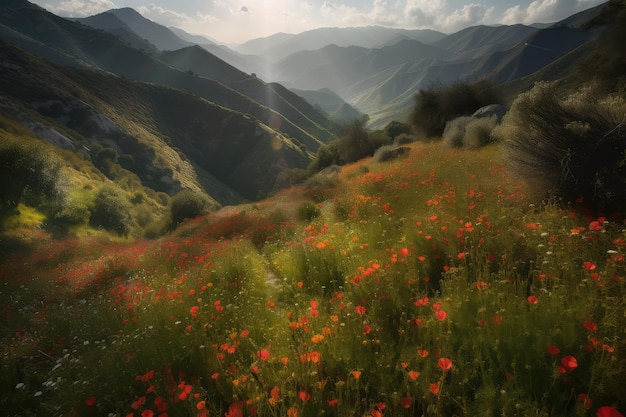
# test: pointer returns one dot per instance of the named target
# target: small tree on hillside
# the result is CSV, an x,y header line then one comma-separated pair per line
x,y
187,204
27,173
111,211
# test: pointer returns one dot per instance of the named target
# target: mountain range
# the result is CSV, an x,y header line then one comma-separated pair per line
x,y
186,112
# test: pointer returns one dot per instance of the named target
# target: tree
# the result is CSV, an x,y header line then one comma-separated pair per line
x,y
437,105
27,172
187,204
111,211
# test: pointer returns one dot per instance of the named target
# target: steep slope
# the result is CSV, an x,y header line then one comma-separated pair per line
x,y
168,138
188,37
331,104
98,49
109,22
287,104
201,62
475,41
159,35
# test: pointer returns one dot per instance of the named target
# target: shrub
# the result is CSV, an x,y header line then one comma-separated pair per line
x,y
455,131
404,139
389,152
478,132
187,204
28,173
571,148
435,106
395,129
111,211
469,132
354,143
308,211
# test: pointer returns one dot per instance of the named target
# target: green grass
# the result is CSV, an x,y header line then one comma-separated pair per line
x,y
406,267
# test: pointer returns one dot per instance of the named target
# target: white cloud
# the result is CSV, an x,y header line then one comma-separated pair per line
x,y
172,18
545,11
425,13
468,15
79,8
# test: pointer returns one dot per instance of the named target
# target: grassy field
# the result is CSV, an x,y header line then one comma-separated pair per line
x,y
429,285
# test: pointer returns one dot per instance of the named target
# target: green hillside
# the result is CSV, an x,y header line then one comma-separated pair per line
x,y
146,136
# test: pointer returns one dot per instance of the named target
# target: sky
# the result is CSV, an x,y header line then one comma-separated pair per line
x,y
235,21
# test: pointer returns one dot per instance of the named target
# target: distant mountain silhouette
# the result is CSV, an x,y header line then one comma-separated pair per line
x,y
280,45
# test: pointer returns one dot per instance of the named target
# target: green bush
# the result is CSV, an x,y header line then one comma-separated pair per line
x,y
573,148
187,204
354,143
29,174
111,211
435,106
308,211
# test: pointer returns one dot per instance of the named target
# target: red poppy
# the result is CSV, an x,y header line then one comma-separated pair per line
x,y
569,362
532,299
481,285
445,364
304,396
360,310
589,266
608,412
406,402
590,325
413,375
441,315
554,350
333,402
147,413
90,401
263,354
434,389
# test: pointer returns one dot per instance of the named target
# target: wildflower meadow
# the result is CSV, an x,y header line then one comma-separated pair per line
x,y
430,285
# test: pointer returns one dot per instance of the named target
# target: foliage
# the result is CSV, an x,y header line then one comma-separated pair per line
x,y
308,211
394,129
437,105
353,144
573,148
469,132
389,152
187,204
404,139
111,211
28,173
